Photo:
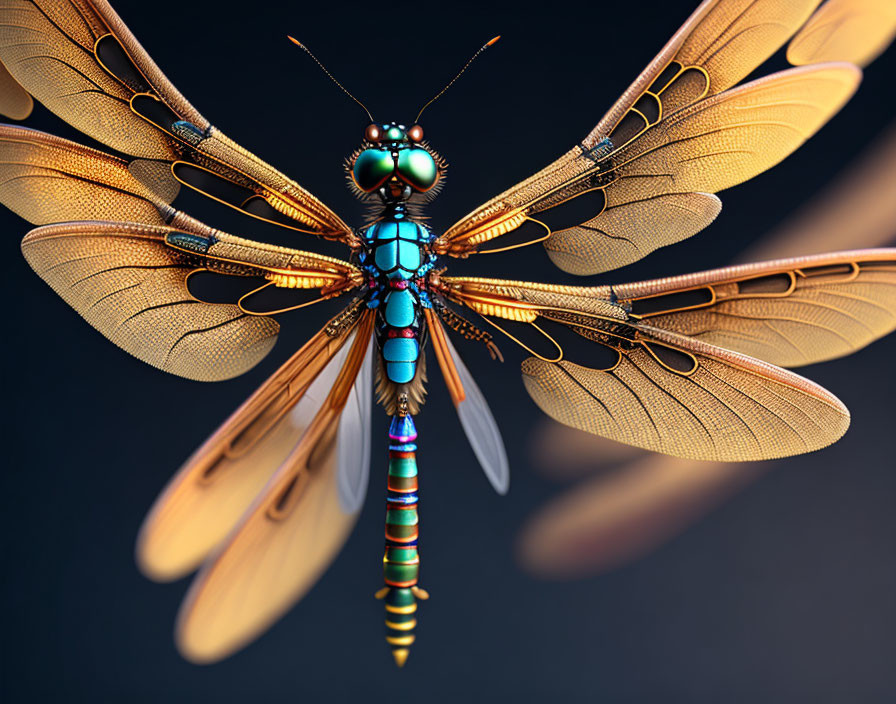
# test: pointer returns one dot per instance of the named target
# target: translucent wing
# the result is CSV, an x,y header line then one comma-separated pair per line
x,y
283,542
475,416
646,384
206,498
15,102
679,133
82,62
353,438
845,30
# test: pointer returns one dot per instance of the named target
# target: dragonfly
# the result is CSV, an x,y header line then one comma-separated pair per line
x,y
692,366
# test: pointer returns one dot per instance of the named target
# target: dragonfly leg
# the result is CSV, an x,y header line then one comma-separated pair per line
x,y
466,329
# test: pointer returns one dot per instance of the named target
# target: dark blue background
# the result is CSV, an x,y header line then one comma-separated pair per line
x,y
784,595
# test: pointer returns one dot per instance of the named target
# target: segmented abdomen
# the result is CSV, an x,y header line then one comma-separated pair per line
x,y
401,561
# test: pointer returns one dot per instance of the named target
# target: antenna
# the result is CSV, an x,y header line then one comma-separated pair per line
x,y
330,75
459,73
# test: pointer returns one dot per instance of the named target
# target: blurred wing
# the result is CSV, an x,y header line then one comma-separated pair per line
x,y
788,312
678,134
83,63
130,282
845,30
284,541
475,416
206,498
682,397
15,102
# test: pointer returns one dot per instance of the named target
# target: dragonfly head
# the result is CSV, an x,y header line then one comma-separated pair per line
x,y
395,163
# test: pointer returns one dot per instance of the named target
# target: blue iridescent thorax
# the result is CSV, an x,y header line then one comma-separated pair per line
x,y
396,257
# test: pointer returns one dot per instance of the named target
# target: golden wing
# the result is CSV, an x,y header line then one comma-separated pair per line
x,y
82,62
845,30
678,134
15,101
130,280
46,179
789,312
288,535
648,385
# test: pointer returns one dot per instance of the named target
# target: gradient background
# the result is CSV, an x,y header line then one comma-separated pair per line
x,y
785,594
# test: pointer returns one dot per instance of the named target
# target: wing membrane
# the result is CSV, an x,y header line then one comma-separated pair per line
x,y
206,498
81,61
284,541
678,134
15,102
678,396
788,312
353,439
719,44
130,282
45,179
845,30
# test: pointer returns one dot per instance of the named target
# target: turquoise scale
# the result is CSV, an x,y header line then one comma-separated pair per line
x,y
400,308
397,245
401,355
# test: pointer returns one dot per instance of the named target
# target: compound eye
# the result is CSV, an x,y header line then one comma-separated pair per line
x,y
372,169
415,134
417,168
373,133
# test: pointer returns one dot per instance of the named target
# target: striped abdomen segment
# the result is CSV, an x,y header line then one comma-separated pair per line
x,y
401,562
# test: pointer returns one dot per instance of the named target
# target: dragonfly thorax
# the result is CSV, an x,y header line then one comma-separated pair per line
x,y
396,257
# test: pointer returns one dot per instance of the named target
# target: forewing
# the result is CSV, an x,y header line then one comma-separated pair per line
x,y
659,180
678,134
845,30
682,397
206,498
788,312
46,179
82,62
15,102
130,282
283,542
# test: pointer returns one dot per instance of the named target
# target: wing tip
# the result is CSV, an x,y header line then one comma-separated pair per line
x,y
149,558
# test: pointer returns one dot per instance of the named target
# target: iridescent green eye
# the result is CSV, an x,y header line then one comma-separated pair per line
x,y
417,168
372,168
